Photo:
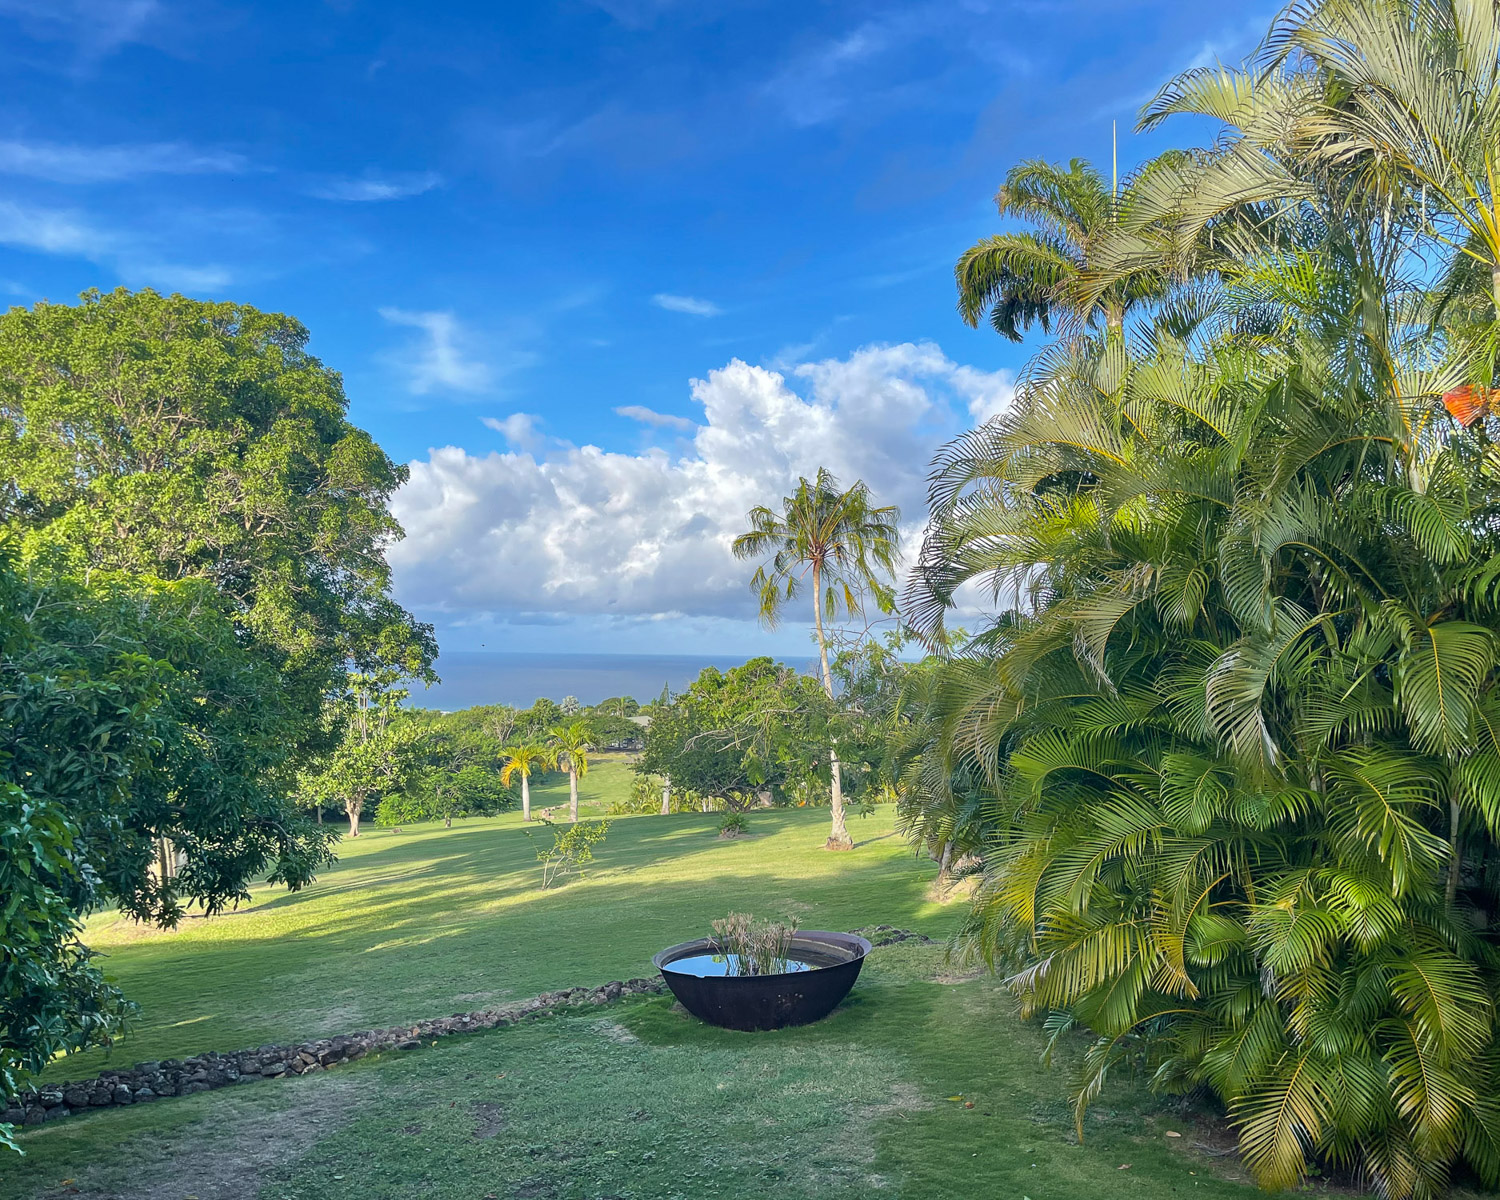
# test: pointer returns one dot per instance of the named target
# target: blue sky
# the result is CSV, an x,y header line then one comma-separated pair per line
x,y
523,232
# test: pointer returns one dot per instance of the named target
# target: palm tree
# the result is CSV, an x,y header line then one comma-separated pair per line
x,y
1028,277
570,751
521,758
1243,729
842,545
1414,104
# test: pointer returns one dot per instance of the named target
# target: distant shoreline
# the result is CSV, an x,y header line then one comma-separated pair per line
x,y
473,677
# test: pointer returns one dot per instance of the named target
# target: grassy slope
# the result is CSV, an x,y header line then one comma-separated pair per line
x,y
432,921
641,1101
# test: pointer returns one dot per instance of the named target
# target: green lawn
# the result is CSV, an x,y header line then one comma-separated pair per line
x,y
432,921
640,1101
633,1100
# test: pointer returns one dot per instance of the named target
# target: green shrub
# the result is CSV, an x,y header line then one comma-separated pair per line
x,y
572,849
733,825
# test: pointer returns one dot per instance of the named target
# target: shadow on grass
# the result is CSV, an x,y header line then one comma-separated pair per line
x,y
467,926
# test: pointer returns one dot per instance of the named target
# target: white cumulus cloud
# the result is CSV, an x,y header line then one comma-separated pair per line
x,y
585,531
691,305
438,361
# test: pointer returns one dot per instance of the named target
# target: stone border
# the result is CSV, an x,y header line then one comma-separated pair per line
x,y
149,1081
203,1072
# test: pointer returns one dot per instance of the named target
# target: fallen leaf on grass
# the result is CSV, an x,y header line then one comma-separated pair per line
x,y
1123,1167
1173,1133
955,1097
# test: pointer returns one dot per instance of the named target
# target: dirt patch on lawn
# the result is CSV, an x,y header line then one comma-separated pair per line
x,y
489,1120
615,1032
226,1156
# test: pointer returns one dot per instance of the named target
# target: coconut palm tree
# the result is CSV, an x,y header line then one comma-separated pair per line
x,y
842,546
521,758
1025,278
570,751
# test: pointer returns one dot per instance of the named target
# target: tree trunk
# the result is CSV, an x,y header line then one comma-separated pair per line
x,y
448,821
1456,854
943,864
666,795
573,796
838,835
352,808
1495,286
319,811
525,798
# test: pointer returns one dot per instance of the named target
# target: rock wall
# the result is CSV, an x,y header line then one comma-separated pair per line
x,y
150,1081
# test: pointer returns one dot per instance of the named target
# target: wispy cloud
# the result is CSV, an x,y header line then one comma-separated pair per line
x,y
137,259
369,189
649,416
691,305
438,362
96,27
60,162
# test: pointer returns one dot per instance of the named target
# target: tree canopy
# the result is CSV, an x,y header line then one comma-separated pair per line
x,y
178,438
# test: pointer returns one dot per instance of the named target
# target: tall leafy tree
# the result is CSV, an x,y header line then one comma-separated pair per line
x,y
570,752
143,764
184,439
380,753
738,736
842,547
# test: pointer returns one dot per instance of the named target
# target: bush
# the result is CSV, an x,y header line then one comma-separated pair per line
x,y
733,825
572,849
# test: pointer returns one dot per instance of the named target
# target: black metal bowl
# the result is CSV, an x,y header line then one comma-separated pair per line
x,y
754,1002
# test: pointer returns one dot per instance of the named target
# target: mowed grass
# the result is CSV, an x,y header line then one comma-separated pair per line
x,y
609,779
921,1085
430,921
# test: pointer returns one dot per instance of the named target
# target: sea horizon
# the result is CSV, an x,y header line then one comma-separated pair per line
x,y
471,677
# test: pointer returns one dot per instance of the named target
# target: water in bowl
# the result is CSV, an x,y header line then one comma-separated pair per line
x,y
705,965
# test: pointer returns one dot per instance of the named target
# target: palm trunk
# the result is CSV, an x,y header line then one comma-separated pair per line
x,y
1495,287
1456,854
573,796
525,798
838,836
666,796
944,864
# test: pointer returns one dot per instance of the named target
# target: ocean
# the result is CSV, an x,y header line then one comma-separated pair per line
x,y
483,677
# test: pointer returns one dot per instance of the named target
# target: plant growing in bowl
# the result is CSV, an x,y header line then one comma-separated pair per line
x,y
752,947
